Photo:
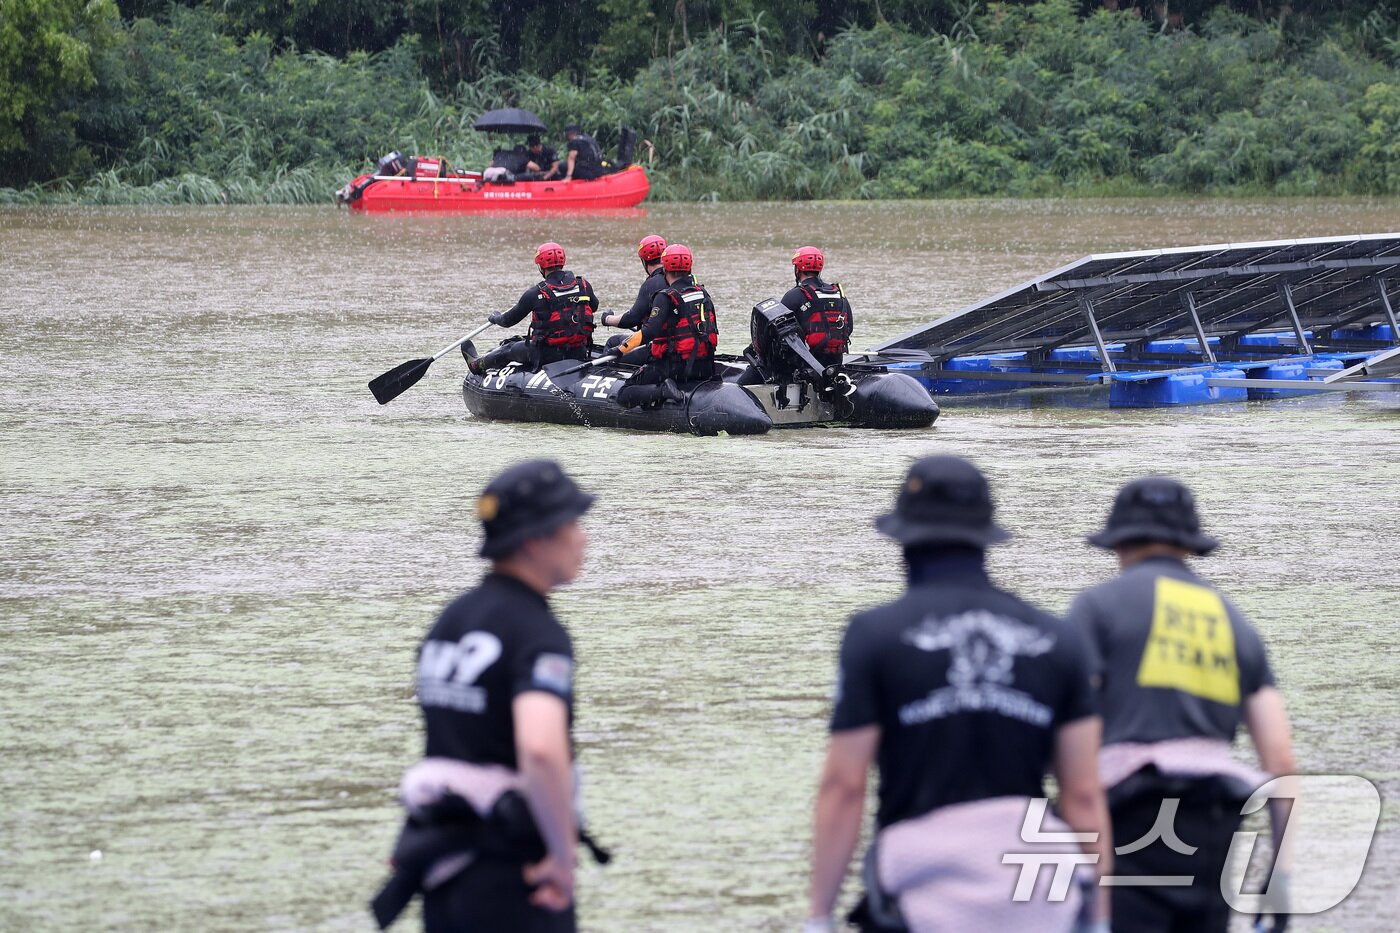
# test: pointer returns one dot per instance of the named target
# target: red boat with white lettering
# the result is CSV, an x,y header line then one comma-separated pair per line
x,y
436,188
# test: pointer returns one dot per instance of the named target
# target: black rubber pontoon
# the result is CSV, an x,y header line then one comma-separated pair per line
x,y
589,397
779,385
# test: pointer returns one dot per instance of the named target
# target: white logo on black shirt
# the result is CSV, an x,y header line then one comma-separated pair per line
x,y
981,673
553,672
448,670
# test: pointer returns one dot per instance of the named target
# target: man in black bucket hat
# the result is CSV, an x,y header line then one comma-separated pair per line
x,y
1158,509
1178,670
965,696
495,682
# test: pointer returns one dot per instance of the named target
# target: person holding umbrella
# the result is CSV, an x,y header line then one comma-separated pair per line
x,y
518,160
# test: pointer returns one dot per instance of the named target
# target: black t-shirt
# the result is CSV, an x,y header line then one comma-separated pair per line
x,y
1175,658
545,159
589,162
490,645
646,297
968,685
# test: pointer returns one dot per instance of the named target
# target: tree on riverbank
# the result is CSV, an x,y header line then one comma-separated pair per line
x,y
47,52
183,103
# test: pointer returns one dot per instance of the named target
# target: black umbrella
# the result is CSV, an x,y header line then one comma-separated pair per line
x,y
509,120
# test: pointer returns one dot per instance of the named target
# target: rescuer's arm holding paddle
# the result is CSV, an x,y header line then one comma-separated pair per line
x,y
517,313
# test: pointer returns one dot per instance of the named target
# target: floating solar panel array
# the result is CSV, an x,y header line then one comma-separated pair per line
x,y
1136,314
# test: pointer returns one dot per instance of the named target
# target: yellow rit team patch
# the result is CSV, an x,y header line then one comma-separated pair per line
x,y
1191,647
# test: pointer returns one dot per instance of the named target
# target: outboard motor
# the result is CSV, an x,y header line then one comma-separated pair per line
x,y
392,164
778,350
776,342
765,350
626,148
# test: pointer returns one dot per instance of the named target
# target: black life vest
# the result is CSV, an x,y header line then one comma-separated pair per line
x,y
826,317
591,156
563,314
691,332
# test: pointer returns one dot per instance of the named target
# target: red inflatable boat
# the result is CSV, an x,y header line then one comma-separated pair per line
x,y
469,192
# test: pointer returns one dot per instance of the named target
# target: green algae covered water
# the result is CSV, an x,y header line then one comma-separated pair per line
x,y
220,553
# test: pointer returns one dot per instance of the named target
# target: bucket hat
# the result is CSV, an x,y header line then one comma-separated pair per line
x,y
530,500
944,500
1154,508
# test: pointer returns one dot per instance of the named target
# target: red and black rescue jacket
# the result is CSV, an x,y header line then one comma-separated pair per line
x,y
825,315
561,314
682,322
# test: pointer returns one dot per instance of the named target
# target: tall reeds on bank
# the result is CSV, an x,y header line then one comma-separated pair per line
x,y
1024,100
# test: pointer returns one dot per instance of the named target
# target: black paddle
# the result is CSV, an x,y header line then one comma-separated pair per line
x,y
405,376
581,366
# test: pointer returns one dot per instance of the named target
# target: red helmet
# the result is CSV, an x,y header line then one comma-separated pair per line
x,y
677,258
808,259
550,256
651,248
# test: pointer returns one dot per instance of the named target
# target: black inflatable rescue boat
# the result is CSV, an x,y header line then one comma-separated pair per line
x,y
777,383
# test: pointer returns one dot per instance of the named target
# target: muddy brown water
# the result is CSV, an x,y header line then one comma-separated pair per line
x,y
220,553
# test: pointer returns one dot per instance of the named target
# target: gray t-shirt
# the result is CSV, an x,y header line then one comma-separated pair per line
x,y
1175,659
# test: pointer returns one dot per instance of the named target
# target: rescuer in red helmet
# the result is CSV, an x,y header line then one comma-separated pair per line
x,y
649,252
822,308
678,339
560,308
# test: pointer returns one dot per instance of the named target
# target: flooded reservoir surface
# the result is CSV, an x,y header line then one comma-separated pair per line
x,y
220,554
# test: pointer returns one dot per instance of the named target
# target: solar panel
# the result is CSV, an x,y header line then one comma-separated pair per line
x,y
1311,287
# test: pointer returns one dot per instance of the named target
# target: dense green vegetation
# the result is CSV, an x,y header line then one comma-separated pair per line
x,y
256,100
